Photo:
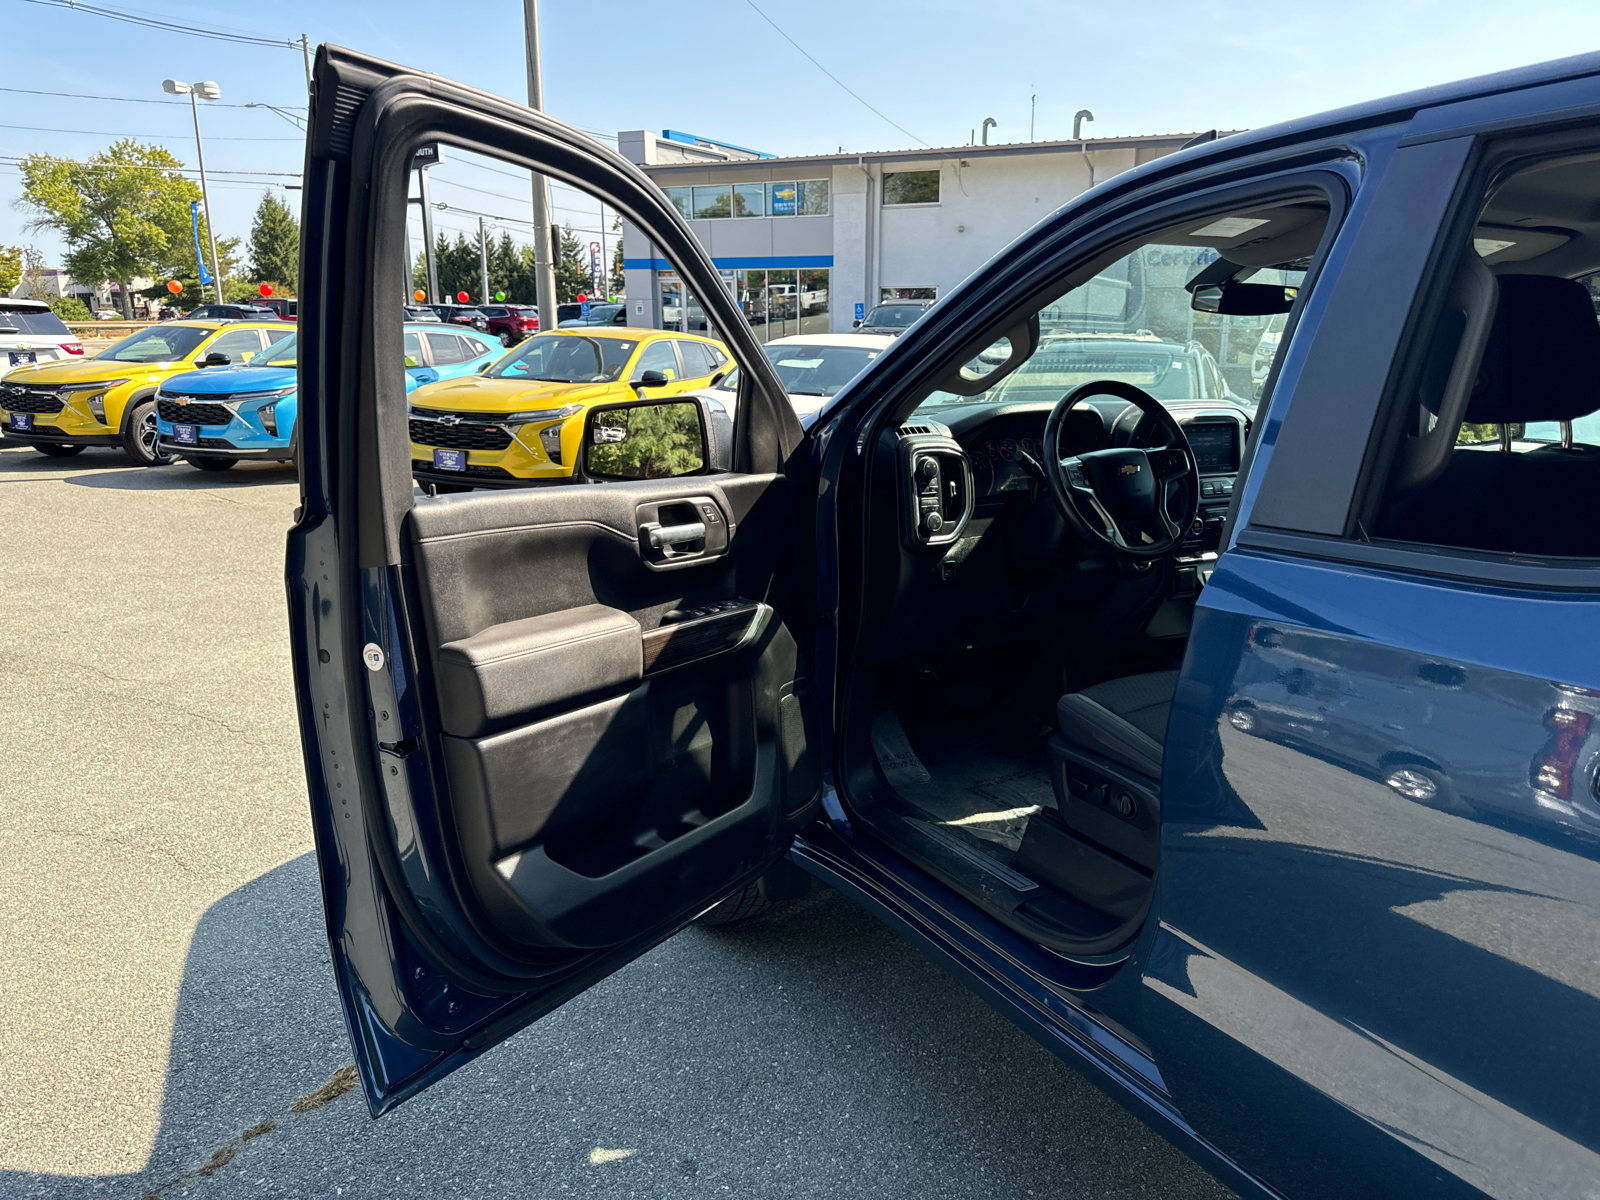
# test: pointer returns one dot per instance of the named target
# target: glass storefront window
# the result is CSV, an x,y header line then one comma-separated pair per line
x,y
813,197
911,187
783,304
715,201
889,294
679,198
749,200
671,301
782,199
814,301
750,293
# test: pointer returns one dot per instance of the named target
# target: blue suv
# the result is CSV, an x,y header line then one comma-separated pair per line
x,y
218,417
1247,755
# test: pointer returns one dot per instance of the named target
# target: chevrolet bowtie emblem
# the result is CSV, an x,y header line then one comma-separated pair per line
x,y
448,420
1131,469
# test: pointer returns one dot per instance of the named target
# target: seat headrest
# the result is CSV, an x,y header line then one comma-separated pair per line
x,y
1542,360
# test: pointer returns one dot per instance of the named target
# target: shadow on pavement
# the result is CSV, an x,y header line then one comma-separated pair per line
x,y
183,478
808,1052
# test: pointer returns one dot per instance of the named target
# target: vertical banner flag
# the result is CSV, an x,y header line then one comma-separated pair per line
x,y
199,255
597,281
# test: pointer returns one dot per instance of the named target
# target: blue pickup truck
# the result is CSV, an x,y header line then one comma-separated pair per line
x,y
1244,753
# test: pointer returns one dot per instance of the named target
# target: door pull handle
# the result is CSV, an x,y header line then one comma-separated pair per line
x,y
675,535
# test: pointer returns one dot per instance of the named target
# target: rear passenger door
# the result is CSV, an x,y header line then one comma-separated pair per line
x,y
543,727
1375,969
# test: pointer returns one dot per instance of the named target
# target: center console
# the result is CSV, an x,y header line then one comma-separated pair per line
x,y
1217,440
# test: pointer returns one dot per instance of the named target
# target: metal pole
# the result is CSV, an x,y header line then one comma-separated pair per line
x,y
605,263
305,49
483,261
205,198
427,235
544,270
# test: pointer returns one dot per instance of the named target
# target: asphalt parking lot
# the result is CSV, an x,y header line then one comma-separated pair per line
x,y
167,1018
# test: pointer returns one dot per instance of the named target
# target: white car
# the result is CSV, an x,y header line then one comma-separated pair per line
x,y
107,314
30,333
813,367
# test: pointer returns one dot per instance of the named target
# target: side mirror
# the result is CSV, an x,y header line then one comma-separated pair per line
x,y
716,379
482,367
1243,299
644,440
214,359
856,324
650,379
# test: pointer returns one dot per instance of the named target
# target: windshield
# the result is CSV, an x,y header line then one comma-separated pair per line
x,y
1166,370
162,343
893,316
39,322
282,353
566,358
818,370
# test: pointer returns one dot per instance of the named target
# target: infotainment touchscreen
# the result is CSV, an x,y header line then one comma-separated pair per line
x,y
1215,447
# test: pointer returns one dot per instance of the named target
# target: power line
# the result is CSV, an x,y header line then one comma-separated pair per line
x,y
832,76
133,18
499,195
111,133
136,99
102,166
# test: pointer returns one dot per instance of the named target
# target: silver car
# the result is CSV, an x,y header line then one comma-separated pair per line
x,y
30,333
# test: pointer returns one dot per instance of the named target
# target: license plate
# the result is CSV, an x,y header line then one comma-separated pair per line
x,y
22,420
186,435
21,358
450,460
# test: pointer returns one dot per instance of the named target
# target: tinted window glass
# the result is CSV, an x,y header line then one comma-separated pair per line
x,y
911,187
713,201
679,197
893,316
814,198
749,200
40,322
658,356
238,344
159,344
697,362
414,355
282,353
566,358
446,349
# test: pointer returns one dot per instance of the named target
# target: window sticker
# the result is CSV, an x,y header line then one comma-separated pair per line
x,y
1228,227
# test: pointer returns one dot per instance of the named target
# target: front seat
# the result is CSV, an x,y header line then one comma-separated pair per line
x,y
1124,719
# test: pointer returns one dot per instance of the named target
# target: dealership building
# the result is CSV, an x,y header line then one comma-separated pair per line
x,y
805,244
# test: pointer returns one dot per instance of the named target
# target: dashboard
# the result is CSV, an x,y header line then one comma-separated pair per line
x,y
998,439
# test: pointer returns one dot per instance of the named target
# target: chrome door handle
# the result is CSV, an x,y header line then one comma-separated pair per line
x,y
673,535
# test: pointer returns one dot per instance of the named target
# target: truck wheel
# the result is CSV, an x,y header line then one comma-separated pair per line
x,y
783,881
210,462
740,906
139,437
57,450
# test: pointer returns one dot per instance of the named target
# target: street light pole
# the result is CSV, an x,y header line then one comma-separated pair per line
x,y
483,261
208,90
544,271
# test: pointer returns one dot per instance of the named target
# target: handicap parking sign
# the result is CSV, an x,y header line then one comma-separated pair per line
x,y
861,312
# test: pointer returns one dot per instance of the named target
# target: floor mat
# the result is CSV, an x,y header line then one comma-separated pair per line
x,y
985,792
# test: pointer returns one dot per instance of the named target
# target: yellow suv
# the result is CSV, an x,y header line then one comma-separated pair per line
x,y
519,422
109,400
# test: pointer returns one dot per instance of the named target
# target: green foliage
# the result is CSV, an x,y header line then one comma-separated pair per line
x,y
70,308
124,212
10,268
1474,434
275,246
658,441
572,268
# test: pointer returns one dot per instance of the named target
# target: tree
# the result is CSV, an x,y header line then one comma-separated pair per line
x,y
123,213
572,268
275,245
10,268
70,308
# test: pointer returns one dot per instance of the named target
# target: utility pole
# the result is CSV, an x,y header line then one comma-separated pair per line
x,y
427,234
483,262
544,271
305,49
210,91
605,263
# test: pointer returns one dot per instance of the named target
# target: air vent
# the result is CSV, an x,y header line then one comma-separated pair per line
x,y
908,430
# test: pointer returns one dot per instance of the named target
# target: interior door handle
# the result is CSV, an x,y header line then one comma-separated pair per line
x,y
673,535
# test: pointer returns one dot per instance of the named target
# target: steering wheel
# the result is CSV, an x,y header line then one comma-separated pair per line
x,y
1122,498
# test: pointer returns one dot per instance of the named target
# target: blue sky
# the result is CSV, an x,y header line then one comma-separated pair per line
x,y
935,67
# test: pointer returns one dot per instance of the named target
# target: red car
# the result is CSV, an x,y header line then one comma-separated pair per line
x,y
512,322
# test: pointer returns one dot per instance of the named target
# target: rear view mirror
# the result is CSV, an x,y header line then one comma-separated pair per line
x,y
644,440
1243,299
